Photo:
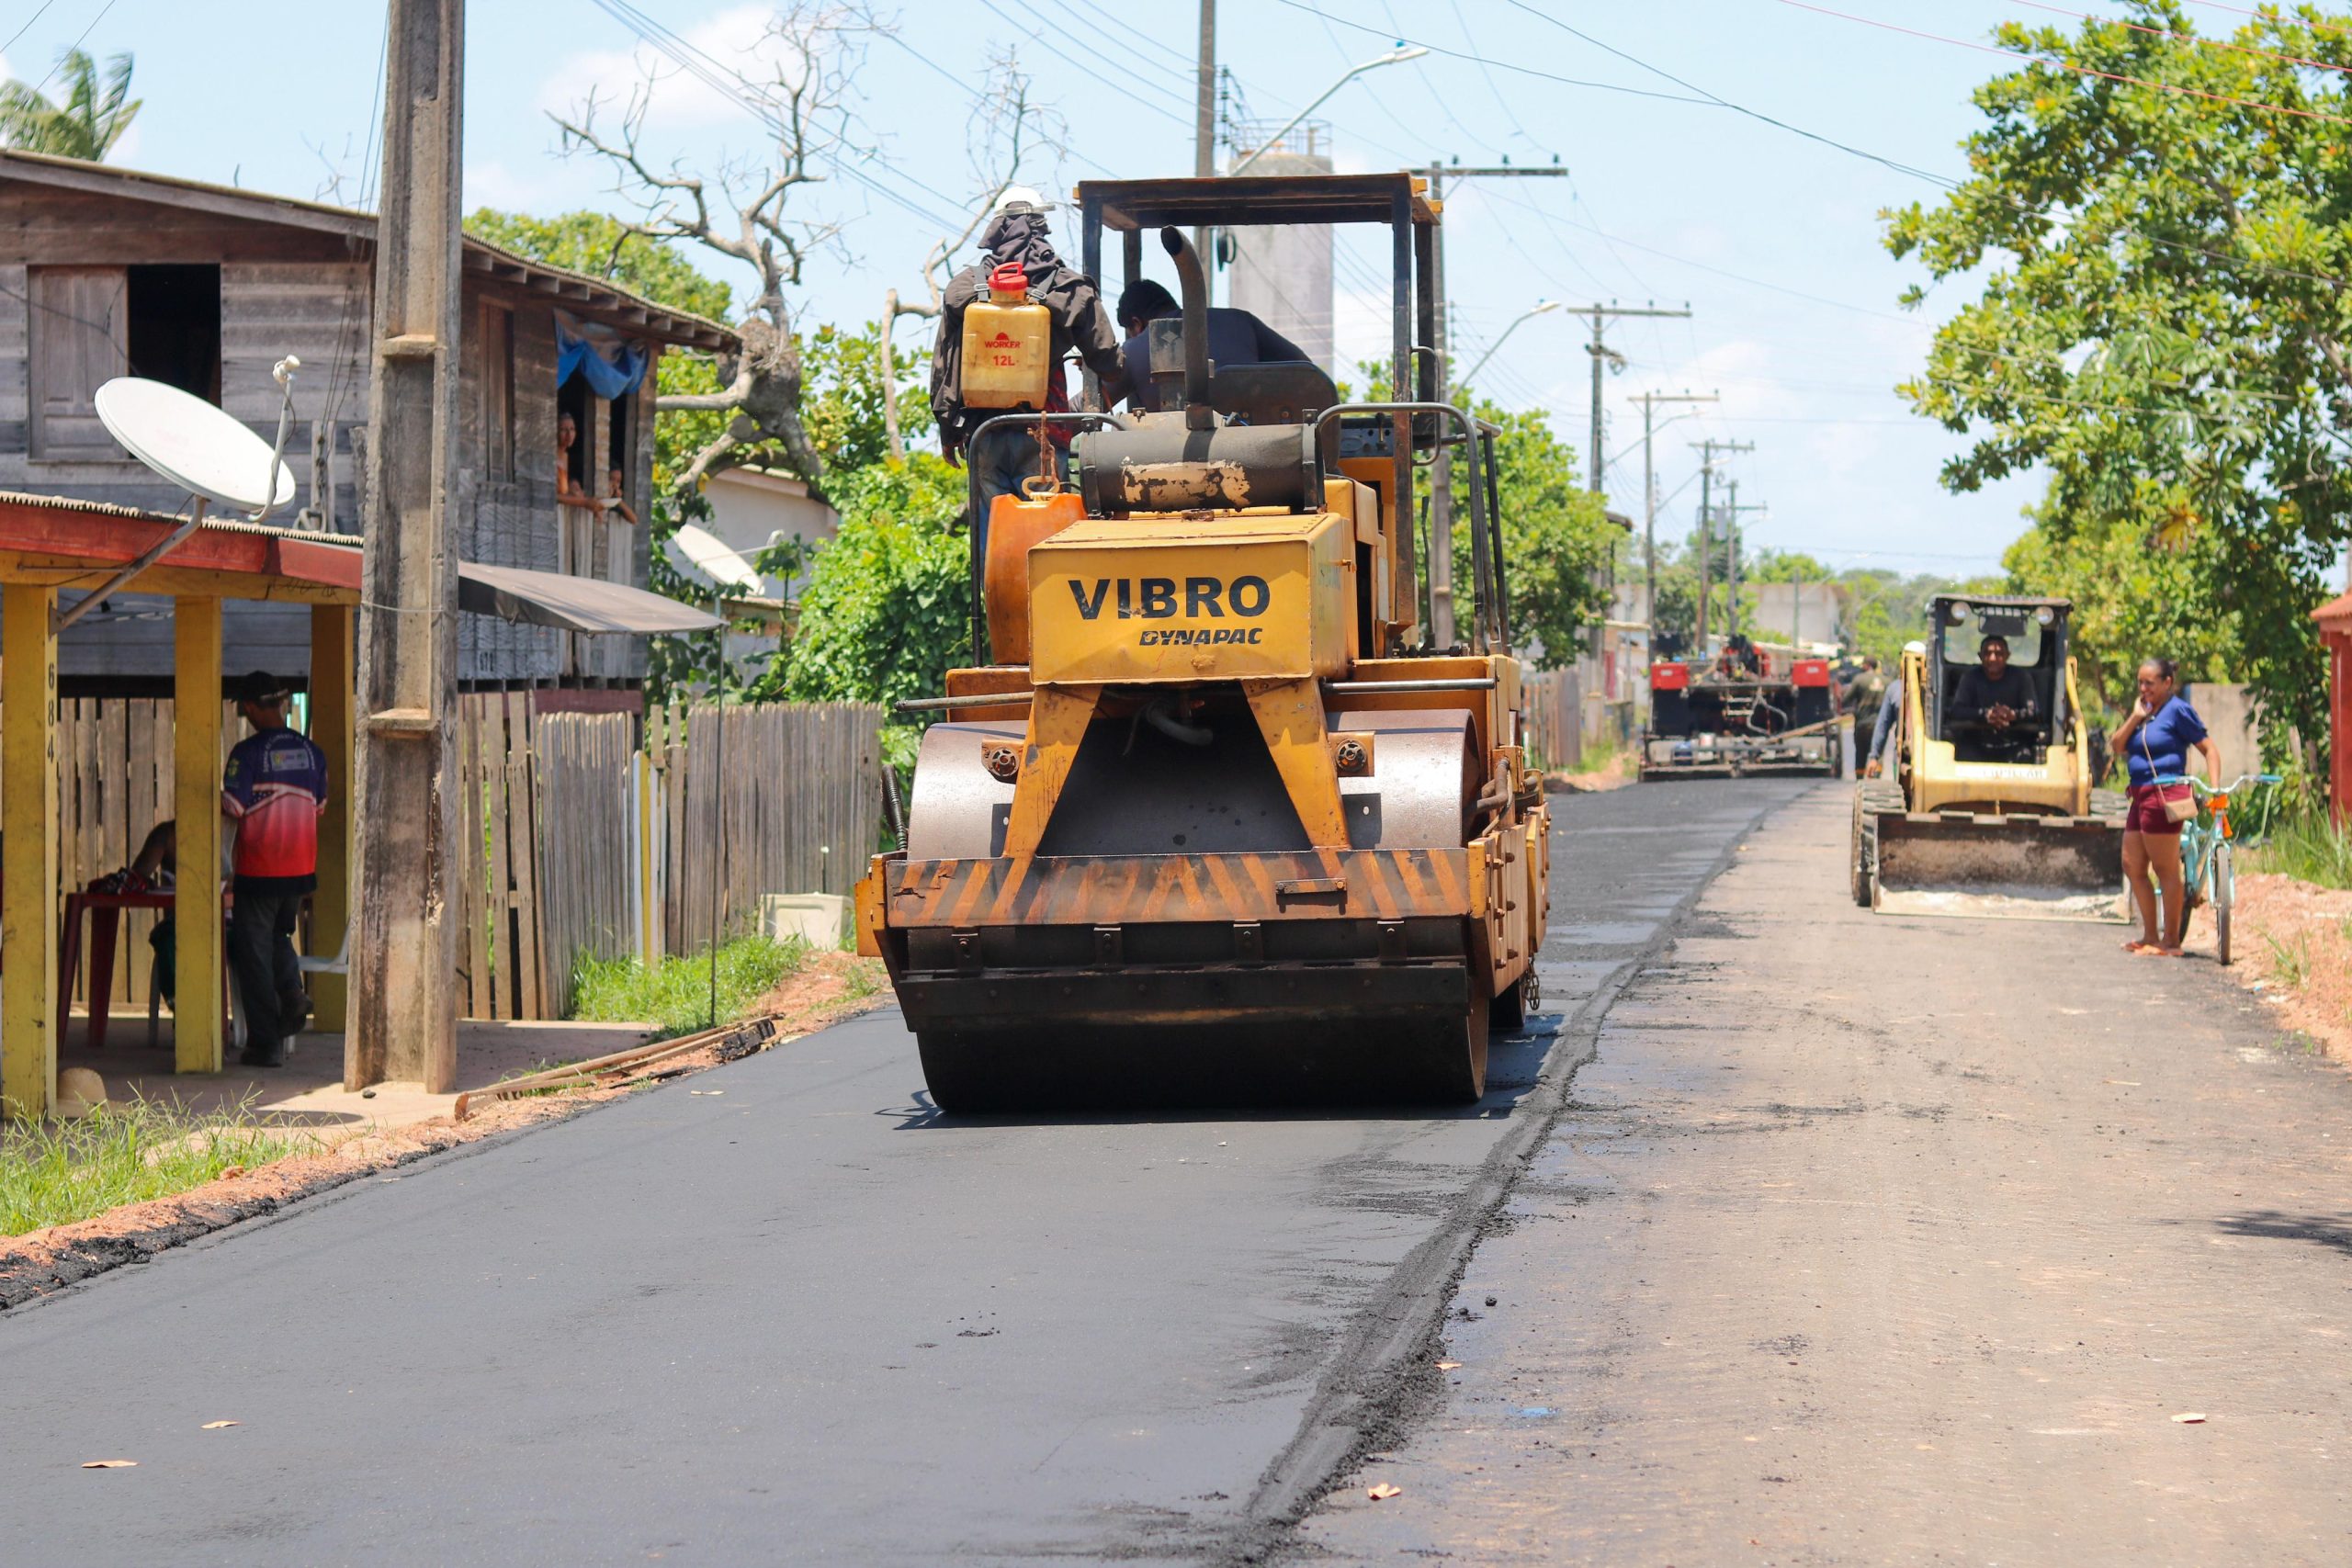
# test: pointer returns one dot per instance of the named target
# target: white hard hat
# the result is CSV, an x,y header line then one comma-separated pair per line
x,y
1919,648
1022,197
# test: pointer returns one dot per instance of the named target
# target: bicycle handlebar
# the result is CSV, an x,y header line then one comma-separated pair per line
x,y
2242,782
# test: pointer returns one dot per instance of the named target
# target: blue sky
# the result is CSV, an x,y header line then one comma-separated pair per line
x,y
1771,238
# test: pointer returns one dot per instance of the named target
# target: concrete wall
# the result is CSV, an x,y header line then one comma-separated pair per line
x,y
1790,612
1284,275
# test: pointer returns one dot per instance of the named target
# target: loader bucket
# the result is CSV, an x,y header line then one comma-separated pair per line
x,y
2018,868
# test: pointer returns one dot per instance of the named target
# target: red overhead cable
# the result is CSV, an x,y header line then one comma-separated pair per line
x,y
2067,65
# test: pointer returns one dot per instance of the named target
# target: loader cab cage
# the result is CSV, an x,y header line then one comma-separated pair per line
x,y
2036,632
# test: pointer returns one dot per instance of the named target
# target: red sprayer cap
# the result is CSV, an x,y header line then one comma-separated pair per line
x,y
1010,279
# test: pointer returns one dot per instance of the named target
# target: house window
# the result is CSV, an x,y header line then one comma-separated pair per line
x,y
175,327
497,381
89,324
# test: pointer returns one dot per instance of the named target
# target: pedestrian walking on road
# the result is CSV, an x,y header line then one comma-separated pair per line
x,y
2155,742
274,790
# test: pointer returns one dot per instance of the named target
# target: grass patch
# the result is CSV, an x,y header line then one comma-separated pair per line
x,y
2307,846
2290,962
674,995
55,1173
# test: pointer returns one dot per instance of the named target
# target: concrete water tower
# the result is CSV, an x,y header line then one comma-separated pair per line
x,y
1284,275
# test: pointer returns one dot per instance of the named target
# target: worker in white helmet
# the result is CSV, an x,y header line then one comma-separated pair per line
x,y
1017,232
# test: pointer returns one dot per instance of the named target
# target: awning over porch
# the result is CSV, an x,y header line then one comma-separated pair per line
x,y
574,603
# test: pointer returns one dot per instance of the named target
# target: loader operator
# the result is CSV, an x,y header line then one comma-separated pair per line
x,y
1236,337
1017,231
1992,706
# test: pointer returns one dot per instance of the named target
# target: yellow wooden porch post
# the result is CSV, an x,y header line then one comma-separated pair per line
x,y
196,798
333,685
28,821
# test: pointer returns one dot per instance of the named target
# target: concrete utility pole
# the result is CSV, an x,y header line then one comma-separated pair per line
x,y
1707,450
404,1019
1731,565
1441,470
1204,118
1601,351
1649,402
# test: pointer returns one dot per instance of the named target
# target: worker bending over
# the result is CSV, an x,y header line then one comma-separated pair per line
x,y
1236,337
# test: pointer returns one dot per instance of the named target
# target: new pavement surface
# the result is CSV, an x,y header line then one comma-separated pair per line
x,y
783,1312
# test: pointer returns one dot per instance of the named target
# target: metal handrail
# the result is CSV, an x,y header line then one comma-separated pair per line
x,y
980,523
1489,633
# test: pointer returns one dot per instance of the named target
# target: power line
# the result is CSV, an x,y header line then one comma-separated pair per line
x,y
39,13
73,49
2070,65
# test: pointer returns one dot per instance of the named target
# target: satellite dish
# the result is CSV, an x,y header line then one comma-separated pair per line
x,y
196,447
712,559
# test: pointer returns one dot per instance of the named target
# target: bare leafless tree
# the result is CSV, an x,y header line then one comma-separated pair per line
x,y
756,211
747,212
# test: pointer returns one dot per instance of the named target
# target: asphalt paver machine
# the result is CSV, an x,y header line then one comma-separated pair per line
x,y
1974,818
1210,822
1747,710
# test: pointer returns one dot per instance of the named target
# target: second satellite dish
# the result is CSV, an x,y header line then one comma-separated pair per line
x,y
194,444
698,552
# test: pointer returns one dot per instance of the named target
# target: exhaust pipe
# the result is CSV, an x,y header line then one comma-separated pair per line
x,y
1195,283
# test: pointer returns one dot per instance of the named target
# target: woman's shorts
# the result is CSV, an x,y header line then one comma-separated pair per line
x,y
2147,814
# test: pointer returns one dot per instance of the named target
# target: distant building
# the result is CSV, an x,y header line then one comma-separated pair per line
x,y
752,509
1283,274
1799,612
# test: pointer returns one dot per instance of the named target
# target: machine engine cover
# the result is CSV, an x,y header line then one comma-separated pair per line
x,y
1222,597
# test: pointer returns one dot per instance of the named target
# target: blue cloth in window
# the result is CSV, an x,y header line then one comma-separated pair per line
x,y
612,363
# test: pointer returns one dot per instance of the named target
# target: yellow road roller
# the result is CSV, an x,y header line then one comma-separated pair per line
x,y
1210,822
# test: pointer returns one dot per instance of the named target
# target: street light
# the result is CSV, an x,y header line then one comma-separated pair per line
x,y
1398,56
1542,307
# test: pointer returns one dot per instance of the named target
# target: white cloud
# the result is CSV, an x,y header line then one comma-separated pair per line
x,y
735,40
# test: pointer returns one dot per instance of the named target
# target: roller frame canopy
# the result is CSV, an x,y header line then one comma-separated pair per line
x,y
575,604
1254,200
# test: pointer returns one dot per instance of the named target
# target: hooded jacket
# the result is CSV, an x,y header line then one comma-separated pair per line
x,y
1073,302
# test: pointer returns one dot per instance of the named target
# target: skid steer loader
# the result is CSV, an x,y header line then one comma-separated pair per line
x,y
1971,818
1210,822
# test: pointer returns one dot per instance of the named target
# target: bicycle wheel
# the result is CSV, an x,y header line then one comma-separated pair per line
x,y
2224,890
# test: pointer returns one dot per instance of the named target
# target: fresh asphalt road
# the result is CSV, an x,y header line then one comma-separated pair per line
x,y
805,1318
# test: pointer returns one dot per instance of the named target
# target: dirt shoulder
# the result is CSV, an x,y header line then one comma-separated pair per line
x,y
828,987
2293,947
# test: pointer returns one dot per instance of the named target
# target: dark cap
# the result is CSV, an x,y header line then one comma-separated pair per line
x,y
263,689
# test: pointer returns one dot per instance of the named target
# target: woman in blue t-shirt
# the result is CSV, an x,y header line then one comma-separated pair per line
x,y
2155,744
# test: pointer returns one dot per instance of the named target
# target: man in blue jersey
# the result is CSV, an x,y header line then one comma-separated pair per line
x,y
274,790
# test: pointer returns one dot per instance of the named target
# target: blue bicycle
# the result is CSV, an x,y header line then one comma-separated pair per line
x,y
2206,872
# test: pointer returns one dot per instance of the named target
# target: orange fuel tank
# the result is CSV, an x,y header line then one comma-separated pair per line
x,y
1016,522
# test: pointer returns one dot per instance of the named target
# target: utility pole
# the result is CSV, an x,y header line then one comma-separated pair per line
x,y
1731,567
1204,118
1707,450
1441,471
403,1018
1649,402
1601,351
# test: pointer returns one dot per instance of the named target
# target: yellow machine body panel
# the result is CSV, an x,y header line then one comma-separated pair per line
x,y
1936,779
1224,596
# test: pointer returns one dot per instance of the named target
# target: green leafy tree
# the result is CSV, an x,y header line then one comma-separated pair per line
x,y
95,113
2161,234
1557,545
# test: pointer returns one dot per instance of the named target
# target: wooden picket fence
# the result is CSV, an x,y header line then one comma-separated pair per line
x,y
590,846
1554,701
564,823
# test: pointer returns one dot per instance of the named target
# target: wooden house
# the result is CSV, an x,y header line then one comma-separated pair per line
x,y
107,272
